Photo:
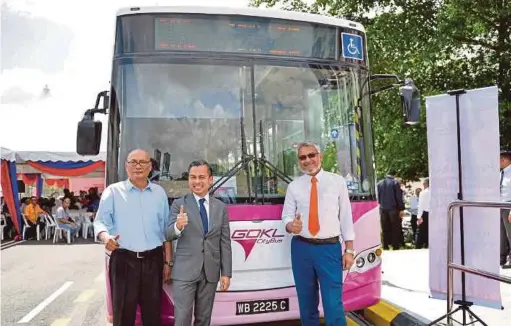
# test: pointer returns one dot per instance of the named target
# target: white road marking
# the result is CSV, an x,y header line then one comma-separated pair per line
x,y
28,317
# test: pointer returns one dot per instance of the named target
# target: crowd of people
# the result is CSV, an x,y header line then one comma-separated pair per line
x,y
34,210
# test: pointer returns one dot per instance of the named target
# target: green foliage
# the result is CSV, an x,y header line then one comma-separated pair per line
x,y
441,45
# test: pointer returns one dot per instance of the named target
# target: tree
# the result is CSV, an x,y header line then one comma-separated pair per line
x,y
442,45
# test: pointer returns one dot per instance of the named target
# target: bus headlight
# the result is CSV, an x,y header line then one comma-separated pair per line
x,y
367,260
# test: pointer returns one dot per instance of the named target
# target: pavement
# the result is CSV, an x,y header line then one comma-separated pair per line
x,y
405,285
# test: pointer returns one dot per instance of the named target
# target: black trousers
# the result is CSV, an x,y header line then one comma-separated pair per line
x,y
136,281
32,232
423,235
505,237
392,229
413,221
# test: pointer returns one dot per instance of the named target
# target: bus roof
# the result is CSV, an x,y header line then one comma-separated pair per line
x,y
244,11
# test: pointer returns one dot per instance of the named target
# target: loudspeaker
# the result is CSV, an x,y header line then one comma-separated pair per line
x,y
21,186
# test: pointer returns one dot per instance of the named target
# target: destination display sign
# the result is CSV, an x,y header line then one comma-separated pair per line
x,y
238,34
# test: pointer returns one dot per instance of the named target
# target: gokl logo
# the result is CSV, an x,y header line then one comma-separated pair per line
x,y
248,238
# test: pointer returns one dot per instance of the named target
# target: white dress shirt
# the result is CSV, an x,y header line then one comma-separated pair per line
x,y
206,205
505,188
334,207
424,199
414,205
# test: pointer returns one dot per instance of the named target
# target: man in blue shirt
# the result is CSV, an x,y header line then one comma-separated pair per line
x,y
131,221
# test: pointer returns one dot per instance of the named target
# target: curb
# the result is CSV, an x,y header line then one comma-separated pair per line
x,y
386,314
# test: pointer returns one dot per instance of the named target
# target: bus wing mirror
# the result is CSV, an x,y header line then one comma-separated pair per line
x,y
88,138
410,100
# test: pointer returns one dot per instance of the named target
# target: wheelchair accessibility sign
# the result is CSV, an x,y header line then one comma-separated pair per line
x,y
352,46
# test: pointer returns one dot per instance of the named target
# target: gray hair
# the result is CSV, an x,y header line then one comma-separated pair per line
x,y
308,144
426,181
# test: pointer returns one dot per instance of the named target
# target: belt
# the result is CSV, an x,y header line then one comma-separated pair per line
x,y
142,254
332,240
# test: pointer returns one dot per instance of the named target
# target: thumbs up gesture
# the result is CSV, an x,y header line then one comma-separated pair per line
x,y
111,242
295,226
182,219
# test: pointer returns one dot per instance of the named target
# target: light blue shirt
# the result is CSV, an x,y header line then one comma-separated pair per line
x,y
139,217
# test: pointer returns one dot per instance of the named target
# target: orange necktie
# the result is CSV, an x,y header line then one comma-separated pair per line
x,y
313,210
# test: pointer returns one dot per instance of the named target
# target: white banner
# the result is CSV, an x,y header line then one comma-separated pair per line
x,y
479,134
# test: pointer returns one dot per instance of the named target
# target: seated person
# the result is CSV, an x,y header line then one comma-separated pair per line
x,y
64,220
34,214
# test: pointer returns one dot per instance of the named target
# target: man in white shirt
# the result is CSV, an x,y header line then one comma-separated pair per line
x,y
423,217
414,210
505,214
317,211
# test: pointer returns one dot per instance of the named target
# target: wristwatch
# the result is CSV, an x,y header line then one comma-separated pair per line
x,y
170,263
350,251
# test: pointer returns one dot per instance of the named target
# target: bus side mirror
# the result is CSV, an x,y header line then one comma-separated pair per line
x,y
411,102
88,138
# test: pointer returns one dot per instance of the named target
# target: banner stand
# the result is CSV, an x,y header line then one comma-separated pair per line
x,y
463,304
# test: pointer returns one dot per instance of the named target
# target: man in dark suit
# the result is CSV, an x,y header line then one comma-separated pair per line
x,y
203,254
390,198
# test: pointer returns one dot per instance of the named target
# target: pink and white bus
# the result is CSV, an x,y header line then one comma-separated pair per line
x,y
241,88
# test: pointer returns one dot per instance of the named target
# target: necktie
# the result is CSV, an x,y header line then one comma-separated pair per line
x,y
203,215
501,179
313,210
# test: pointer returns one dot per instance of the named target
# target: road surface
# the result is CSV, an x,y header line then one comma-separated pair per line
x,y
54,284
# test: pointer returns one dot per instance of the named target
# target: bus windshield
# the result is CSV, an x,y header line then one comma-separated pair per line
x,y
244,119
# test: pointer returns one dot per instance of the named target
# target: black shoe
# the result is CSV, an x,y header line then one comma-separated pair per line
x,y
506,265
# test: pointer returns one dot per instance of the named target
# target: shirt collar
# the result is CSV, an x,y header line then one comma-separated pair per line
x,y
130,185
318,176
197,198
507,169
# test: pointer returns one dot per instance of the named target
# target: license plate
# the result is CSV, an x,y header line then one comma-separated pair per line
x,y
262,306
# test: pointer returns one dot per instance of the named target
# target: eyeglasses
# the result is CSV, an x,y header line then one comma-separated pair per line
x,y
310,156
135,163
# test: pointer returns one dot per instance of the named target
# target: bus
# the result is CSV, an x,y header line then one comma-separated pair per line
x,y
240,88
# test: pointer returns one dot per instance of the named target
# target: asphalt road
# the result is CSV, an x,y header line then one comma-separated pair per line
x,y
33,271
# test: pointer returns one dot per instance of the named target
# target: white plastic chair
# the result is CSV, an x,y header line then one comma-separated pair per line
x,y
59,231
86,224
50,227
26,226
3,223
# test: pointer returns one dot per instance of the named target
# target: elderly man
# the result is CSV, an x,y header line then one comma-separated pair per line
x,y
131,221
317,211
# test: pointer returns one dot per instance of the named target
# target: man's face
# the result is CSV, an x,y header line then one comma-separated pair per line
x,y
138,165
417,191
504,162
309,159
33,201
199,180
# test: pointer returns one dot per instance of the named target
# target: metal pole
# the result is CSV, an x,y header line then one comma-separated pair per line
x,y
450,272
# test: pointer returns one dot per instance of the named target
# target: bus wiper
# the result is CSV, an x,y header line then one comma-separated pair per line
x,y
246,159
242,164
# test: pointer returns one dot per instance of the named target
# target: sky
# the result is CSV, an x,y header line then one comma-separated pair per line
x,y
66,45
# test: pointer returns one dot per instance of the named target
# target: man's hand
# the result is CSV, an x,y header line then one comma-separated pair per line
x,y
347,261
110,242
419,221
225,282
295,226
402,214
166,274
182,219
